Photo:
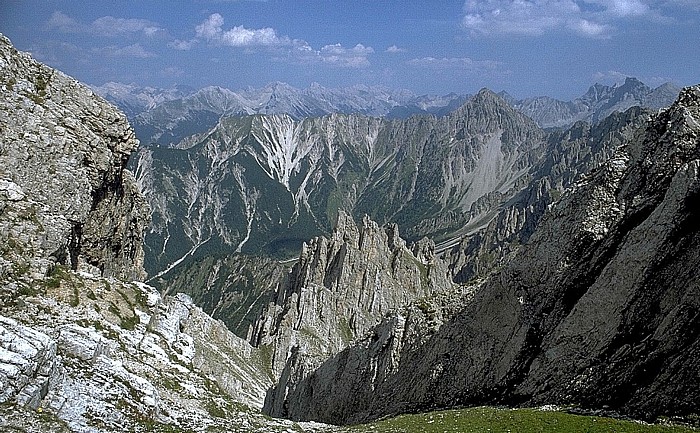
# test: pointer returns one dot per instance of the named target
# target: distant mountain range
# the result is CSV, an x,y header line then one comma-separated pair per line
x,y
167,116
598,103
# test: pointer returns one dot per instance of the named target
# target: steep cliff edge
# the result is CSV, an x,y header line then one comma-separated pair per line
x,y
65,196
598,310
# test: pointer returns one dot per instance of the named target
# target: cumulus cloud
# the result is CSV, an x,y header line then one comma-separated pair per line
x,y
590,18
338,55
395,49
285,48
211,27
212,30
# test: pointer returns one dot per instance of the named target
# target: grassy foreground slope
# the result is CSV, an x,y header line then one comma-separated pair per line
x,y
495,420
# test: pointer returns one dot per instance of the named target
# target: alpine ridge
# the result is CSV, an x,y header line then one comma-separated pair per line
x,y
595,105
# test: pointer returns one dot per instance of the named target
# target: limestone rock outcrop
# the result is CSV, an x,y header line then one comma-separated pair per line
x,y
65,196
599,309
101,356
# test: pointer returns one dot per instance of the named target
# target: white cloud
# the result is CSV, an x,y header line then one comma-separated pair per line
x,y
590,29
395,49
63,23
520,17
111,26
590,18
242,37
622,8
180,45
212,31
285,48
332,55
338,55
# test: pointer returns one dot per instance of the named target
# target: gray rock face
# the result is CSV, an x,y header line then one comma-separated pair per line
x,y
339,289
598,309
65,196
27,363
100,355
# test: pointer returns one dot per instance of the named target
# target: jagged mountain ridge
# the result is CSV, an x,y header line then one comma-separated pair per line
x,y
166,116
339,289
265,183
171,121
598,309
596,104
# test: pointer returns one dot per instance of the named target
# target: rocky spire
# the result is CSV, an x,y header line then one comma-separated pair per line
x,y
341,287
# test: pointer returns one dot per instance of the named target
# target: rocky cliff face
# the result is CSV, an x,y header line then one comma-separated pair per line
x,y
65,196
339,289
597,310
100,354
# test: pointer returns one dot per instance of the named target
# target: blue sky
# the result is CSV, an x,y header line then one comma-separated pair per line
x,y
526,47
